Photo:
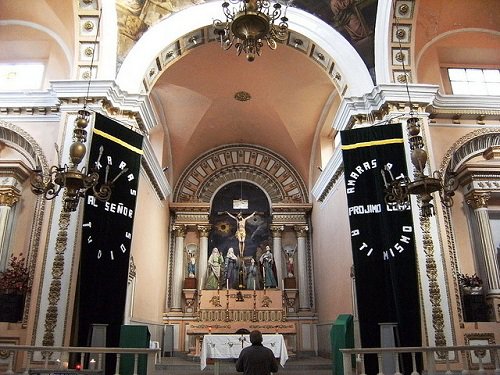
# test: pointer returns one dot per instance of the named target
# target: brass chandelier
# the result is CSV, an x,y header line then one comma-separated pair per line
x,y
251,22
73,181
398,190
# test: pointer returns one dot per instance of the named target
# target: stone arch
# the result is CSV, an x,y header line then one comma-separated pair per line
x,y
468,146
148,59
27,146
208,173
24,143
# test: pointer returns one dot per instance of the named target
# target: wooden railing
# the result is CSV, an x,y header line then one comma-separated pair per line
x,y
480,359
48,359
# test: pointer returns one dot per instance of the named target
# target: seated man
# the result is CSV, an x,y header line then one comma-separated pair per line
x,y
256,359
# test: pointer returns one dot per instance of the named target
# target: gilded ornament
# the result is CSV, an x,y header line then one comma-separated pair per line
x,y
9,198
434,289
478,200
401,34
403,9
88,25
402,78
89,51
204,230
180,230
242,96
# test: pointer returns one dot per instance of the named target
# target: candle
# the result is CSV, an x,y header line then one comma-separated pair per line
x,y
253,284
209,329
227,284
283,283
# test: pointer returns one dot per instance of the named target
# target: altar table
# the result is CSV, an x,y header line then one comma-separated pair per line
x,y
230,346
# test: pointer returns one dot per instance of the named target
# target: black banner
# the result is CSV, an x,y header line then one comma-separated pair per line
x,y
382,239
107,230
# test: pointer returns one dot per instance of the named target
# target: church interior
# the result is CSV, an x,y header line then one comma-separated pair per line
x,y
161,167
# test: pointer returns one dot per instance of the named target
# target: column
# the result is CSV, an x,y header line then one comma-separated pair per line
x,y
204,231
479,202
301,269
9,196
178,261
276,231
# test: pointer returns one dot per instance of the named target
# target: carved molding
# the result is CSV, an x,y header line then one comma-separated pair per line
x,y
55,285
212,170
468,146
432,277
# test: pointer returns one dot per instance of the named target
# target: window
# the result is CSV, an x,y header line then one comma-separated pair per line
x,y
22,76
474,81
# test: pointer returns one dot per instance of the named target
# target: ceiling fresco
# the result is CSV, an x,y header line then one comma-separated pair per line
x,y
354,19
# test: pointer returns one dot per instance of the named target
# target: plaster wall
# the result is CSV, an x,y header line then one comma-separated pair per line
x,y
332,262
149,250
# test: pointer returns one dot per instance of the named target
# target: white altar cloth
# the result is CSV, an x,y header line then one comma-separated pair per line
x,y
230,346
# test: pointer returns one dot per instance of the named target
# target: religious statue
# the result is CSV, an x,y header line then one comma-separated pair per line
x,y
251,281
231,268
215,262
241,230
267,261
290,267
290,251
191,269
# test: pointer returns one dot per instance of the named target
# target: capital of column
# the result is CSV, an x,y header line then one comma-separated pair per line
x,y
478,200
301,230
204,230
179,230
9,196
277,230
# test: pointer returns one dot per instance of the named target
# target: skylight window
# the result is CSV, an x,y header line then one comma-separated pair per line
x,y
466,81
21,76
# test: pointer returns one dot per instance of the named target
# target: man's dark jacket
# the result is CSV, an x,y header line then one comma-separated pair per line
x,y
256,360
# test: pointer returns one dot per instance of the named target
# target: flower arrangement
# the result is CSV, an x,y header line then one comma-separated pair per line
x,y
15,279
467,281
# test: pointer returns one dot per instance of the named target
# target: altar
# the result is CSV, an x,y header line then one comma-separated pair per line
x,y
230,346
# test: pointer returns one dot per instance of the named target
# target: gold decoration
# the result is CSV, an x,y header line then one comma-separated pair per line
x,y
242,96
402,78
403,9
55,285
215,301
9,196
179,230
89,51
478,200
434,289
277,230
301,230
204,230
266,301
88,25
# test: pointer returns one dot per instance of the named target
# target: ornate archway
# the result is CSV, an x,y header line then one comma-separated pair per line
x,y
236,162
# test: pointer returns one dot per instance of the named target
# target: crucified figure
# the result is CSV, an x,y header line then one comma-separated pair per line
x,y
240,230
